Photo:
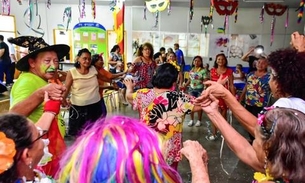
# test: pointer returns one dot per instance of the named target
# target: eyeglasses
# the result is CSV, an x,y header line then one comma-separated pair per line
x,y
43,134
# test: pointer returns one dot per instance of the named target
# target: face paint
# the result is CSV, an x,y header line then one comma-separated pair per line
x,y
51,69
43,68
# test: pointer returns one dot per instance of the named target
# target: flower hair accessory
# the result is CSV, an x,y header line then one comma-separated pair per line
x,y
175,65
260,121
7,152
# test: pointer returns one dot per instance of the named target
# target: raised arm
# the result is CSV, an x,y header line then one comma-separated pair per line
x,y
245,57
236,142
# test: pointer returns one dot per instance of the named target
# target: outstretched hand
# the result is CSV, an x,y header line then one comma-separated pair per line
x,y
194,150
214,88
209,105
129,83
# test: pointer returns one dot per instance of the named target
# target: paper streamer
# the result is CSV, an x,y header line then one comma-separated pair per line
x,y
169,7
93,8
82,5
48,4
156,19
287,18
301,11
67,13
236,15
191,10
261,17
145,10
19,1
6,7
272,30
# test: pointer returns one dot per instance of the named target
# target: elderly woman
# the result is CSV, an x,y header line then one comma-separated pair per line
x,y
163,109
287,83
278,150
82,82
144,66
120,149
22,147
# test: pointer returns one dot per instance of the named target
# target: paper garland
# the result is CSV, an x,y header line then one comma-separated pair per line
x,y
82,6
6,7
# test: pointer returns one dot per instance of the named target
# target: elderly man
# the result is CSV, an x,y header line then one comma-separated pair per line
x,y
27,94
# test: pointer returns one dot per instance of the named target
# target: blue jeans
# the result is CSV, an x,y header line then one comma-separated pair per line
x,y
5,68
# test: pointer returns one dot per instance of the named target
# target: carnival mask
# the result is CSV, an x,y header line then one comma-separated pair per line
x,y
157,5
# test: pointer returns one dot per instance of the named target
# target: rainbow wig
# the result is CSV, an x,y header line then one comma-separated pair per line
x,y
116,150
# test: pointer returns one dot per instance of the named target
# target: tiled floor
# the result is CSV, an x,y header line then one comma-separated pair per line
x,y
227,169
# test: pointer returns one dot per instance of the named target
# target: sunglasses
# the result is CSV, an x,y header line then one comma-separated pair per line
x,y
42,134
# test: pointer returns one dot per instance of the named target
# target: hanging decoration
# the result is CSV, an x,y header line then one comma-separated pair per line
x,y
227,8
274,10
48,4
287,18
191,10
118,16
205,21
211,13
301,11
261,17
68,14
157,5
20,2
169,7
6,7
28,16
156,19
93,8
82,6
145,10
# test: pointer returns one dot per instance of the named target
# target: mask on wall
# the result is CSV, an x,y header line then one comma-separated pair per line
x,y
157,5
225,7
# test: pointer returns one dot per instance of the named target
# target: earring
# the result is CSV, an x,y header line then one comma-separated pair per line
x,y
30,165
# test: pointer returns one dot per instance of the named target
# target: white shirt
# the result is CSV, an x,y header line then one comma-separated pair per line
x,y
12,52
292,103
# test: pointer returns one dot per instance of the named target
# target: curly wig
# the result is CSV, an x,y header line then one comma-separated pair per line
x,y
289,66
284,143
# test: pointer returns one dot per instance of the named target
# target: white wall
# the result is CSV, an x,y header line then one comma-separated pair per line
x,y
248,23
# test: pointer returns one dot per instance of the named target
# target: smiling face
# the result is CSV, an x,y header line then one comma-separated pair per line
x,y
44,65
262,64
172,57
221,61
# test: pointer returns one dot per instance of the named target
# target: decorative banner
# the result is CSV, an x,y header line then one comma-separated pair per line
x,y
205,21
191,10
156,19
93,8
301,10
6,7
118,15
157,5
274,10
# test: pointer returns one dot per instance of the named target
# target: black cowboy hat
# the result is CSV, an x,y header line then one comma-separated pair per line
x,y
36,45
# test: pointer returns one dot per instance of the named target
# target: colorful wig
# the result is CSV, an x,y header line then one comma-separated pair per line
x,y
117,149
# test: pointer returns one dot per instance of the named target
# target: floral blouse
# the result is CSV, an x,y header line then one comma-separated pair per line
x,y
165,112
197,77
258,90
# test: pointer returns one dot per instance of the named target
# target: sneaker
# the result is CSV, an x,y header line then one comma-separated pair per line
x,y
191,123
198,123
211,137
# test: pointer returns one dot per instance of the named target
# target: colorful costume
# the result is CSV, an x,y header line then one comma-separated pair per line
x,y
165,112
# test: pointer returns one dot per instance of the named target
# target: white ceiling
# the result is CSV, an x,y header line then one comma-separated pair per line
x,y
197,3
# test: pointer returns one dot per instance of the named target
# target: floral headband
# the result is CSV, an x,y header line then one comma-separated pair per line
x,y
7,152
175,65
260,121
